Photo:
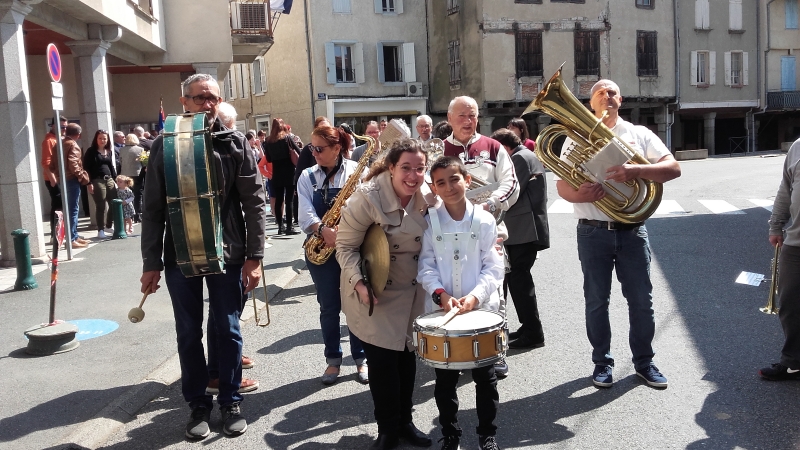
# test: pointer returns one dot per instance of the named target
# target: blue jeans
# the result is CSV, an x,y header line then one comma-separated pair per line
x,y
73,202
224,300
326,282
628,251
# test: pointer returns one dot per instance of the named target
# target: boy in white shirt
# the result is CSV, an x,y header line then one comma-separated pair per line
x,y
460,268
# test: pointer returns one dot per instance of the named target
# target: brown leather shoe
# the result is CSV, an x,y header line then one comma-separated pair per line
x,y
247,362
83,241
247,385
78,244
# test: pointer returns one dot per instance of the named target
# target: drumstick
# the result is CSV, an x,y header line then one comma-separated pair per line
x,y
448,317
136,315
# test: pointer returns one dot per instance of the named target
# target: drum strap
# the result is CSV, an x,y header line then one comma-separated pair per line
x,y
439,248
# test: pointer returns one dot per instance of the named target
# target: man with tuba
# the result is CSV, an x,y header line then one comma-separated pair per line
x,y
243,219
605,245
787,206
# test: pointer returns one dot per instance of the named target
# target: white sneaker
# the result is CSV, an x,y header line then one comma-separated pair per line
x,y
101,234
110,230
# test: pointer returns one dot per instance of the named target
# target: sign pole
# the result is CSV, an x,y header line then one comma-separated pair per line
x,y
63,185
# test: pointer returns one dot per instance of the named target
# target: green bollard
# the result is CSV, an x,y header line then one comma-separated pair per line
x,y
22,252
119,221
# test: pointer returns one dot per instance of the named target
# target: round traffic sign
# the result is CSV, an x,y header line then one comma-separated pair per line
x,y
53,62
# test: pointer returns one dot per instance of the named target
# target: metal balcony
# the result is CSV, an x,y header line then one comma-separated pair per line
x,y
783,100
252,25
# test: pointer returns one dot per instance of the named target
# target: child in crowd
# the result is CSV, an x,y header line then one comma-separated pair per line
x,y
461,269
125,194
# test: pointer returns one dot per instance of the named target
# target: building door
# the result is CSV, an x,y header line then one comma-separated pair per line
x,y
788,76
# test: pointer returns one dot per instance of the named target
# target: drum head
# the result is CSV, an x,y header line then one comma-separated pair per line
x,y
472,320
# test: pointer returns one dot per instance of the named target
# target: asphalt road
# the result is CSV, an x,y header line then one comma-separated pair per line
x,y
710,341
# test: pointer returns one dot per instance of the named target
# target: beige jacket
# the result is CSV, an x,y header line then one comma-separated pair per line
x,y
403,300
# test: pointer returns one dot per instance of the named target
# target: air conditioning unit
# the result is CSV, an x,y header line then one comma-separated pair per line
x,y
414,89
248,16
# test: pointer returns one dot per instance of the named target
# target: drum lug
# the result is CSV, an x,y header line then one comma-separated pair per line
x,y
476,349
423,347
446,350
499,342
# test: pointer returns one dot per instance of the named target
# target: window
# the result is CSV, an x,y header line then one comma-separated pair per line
x,y
454,58
646,4
790,8
388,6
587,53
344,62
735,15
704,68
646,54
452,7
529,54
259,73
396,62
701,15
341,6
736,69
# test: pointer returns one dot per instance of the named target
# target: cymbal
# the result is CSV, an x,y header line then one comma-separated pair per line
x,y
375,251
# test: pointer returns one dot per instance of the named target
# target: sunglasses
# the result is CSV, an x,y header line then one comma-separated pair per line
x,y
318,149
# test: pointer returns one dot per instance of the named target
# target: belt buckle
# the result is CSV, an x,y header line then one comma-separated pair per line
x,y
610,226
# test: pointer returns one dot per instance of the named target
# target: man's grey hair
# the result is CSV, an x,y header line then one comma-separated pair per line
x,y
196,78
468,100
425,118
227,115
73,130
119,133
139,132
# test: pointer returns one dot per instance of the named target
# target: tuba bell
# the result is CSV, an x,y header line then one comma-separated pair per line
x,y
630,202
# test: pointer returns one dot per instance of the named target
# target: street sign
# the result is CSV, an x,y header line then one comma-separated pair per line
x,y
58,104
53,62
58,89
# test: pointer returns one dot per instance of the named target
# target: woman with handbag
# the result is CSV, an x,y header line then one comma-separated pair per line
x,y
282,152
391,198
98,162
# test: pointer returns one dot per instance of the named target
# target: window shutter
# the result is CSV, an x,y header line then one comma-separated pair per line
x,y
744,68
358,62
263,75
712,68
790,8
381,66
398,6
409,63
330,62
706,15
727,68
735,15
234,85
693,78
378,6
244,81
698,14
255,83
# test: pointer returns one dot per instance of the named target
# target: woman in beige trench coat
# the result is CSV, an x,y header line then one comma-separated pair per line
x,y
390,197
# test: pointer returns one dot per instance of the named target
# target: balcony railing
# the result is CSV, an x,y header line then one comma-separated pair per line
x,y
783,100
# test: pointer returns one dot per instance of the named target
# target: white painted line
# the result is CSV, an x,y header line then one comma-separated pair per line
x,y
561,206
766,204
669,207
721,207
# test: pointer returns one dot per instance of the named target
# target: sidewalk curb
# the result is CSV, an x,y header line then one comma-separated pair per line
x,y
96,431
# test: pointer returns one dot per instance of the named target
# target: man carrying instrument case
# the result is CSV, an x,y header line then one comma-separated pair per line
x,y
237,200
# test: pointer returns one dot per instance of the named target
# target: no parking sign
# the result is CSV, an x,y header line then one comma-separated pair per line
x,y
54,63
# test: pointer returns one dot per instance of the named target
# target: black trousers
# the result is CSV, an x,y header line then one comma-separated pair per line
x,y
284,194
789,313
487,400
138,187
523,292
391,383
55,205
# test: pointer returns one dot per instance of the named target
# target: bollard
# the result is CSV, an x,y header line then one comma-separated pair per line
x,y
119,222
22,253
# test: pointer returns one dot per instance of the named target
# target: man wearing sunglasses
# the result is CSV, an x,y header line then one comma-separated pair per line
x,y
243,219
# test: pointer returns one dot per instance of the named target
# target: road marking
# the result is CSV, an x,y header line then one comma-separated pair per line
x,y
766,204
561,206
670,207
721,207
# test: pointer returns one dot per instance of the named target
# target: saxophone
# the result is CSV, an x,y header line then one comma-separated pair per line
x,y
316,251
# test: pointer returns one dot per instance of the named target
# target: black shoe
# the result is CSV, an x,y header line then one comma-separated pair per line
x,y
281,229
515,335
487,443
197,428
779,372
385,441
291,231
233,424
501,369
415,437
525,342
450,442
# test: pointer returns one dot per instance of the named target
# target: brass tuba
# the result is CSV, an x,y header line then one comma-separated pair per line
x,y
316,251
629,202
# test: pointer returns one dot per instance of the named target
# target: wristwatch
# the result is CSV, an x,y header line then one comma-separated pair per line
x,y
492,207
437,296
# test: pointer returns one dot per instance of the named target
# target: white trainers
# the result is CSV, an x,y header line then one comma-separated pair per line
x,y
101,234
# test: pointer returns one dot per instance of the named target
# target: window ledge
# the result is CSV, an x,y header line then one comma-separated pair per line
x,y
587,77
702,29
133,4
260,94
393,83
735,31
345,85
703,85
648,78
455,86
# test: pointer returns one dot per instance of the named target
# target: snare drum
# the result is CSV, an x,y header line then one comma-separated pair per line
x,y
193,196
472,339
